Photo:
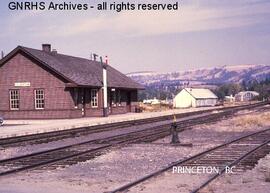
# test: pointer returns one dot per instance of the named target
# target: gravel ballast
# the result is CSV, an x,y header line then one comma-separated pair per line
x,y
122,165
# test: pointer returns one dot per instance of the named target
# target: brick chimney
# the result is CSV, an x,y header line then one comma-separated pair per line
x,y
46,47
2,55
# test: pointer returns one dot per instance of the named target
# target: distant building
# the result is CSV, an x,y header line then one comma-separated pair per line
x,y
246,95
194,97
151,101
229,98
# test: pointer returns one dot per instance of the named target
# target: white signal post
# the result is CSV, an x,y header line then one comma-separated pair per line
x,y
105,88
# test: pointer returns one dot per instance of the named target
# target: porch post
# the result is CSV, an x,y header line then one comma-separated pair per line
x,y
105,89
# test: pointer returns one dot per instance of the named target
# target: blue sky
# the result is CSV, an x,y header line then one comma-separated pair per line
x,y
203,33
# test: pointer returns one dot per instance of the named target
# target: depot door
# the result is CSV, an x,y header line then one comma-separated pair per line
x,y
128,102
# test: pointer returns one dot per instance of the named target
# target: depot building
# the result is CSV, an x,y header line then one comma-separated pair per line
x,y
43,84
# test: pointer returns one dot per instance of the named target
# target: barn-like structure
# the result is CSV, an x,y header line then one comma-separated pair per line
x,y
246,96
194,97
43,84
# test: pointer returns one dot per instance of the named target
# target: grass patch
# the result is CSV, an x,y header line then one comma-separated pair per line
x,y
253,120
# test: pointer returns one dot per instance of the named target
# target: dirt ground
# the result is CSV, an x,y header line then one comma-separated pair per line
x,y
120,166
255,180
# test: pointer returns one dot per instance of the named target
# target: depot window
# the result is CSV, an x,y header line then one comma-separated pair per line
x,y
39,99
116,97
94,98
14,99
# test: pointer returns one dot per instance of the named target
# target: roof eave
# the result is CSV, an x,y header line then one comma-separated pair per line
x,y
127,88
206,98
20,48
9,55
72,85
46,65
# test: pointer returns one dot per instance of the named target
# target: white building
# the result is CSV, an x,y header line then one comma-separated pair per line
x,y
154,101
194,97
246,95
229,98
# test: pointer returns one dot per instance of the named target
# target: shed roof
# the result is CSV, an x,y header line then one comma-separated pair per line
x,y
79,71
201,93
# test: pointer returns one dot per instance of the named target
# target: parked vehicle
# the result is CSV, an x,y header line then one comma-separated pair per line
x,y
1,121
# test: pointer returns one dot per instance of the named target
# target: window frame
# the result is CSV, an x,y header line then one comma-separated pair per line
x,y
40,99
94,99
14,99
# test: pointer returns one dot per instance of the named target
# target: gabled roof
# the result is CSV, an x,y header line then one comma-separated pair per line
x,y
201,93
246,92
79,71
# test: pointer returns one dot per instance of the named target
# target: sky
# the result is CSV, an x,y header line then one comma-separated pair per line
x,y
201,34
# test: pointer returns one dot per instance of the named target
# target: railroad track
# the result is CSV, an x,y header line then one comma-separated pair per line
x,y
243,153
76,132
83,151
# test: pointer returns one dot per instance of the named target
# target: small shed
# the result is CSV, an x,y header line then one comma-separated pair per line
x,y
246,96
194,97
229,98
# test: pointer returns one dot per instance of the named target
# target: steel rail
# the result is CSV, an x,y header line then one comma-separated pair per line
x,y
154,131
181,125
235,162
62,134
94,129
50,161
158,172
